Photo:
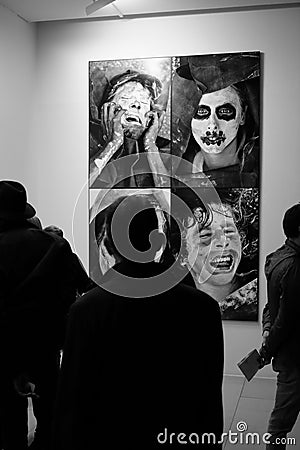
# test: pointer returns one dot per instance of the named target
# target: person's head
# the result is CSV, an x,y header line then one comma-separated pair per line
x,y
129,225
218,118
135,93
13,203
36,222
54,229
213,244
291,222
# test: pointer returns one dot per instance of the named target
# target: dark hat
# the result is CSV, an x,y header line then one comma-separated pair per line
x,y
13,201
218,71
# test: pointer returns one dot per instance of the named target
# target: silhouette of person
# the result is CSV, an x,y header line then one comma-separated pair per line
x,y
135,367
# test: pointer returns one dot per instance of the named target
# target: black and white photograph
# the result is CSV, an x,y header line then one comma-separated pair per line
x,y
149,224
104,206
219,238
215,118
129,122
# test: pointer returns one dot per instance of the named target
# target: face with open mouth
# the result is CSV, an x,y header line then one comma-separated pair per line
x,y
214,252
136,101
217,120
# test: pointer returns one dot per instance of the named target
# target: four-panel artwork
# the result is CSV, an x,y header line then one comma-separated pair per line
x,y
183,130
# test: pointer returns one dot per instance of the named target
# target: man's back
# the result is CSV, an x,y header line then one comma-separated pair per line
x,y
281,328
36,290
137,370
282,271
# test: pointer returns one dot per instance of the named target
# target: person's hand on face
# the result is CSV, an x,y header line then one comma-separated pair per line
x,y
154,123
135,103
111,116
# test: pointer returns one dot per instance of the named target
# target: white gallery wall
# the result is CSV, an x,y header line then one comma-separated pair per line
x,y
17,84
58,155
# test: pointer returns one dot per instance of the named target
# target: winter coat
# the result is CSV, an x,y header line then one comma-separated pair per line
x,y
133,367
282,312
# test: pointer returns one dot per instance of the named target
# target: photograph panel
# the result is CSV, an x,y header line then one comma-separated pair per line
x,y
103,207
216,239
129,108
215,118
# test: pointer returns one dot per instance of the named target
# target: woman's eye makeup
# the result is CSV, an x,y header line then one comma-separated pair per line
x,y
223,112
203,112
226,112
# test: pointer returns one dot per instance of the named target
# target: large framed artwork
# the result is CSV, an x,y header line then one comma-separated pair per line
x,y
184,130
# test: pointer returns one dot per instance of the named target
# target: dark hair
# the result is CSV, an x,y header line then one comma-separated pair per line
x,y
140,224
243,204
240,89
291,221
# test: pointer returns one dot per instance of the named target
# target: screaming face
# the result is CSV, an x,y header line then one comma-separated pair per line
x,y
217,120
214,252
136,101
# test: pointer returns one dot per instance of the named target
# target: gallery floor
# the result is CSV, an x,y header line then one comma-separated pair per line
x,y
245,402
251,403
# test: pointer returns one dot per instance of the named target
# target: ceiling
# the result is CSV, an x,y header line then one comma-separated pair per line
x,y
48,10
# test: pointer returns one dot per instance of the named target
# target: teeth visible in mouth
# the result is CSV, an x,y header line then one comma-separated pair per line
x,y
218,260
222,262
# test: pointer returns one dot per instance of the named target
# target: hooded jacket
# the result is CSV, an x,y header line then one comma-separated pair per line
x,y
37,288
282,312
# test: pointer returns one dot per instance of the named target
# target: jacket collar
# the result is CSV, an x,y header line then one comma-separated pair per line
x,y
293,245
134,269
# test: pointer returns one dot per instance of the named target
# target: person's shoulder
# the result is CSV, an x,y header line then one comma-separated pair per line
x,y
280,260
56,241
27,234
96,298
196,297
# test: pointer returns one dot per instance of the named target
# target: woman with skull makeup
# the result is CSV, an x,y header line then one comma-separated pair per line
x,y
223,141
217,127
220,249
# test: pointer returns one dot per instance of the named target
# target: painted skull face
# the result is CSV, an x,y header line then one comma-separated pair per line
x,y
217,120
214,252
136,101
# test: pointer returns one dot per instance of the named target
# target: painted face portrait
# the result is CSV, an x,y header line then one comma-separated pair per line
x,y
136,101
214,252
217,120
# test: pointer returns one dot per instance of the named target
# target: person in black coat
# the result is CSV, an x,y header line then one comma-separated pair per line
x,y
36,292
281,331
142,364
82,282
